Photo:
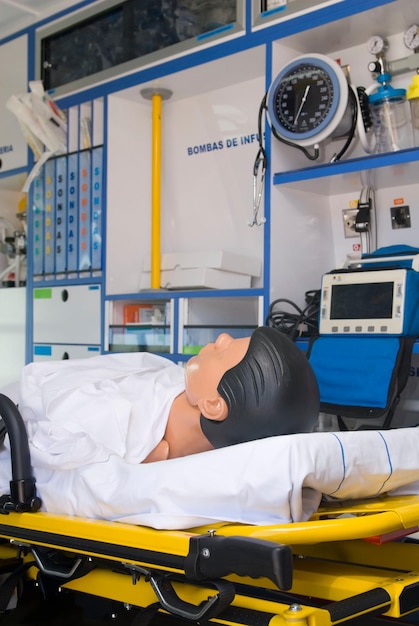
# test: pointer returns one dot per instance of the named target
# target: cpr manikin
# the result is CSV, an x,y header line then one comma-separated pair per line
x,y
239,390
145,408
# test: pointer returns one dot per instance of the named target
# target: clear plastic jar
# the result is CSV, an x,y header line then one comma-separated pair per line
x,y
391,119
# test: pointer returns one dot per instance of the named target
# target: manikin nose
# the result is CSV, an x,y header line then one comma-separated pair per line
x,y
223,341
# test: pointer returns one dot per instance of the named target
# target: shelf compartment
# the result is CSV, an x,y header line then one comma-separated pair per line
x,y
128,35
130,312
264,11
139,338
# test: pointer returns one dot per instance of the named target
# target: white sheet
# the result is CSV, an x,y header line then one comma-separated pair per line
x,y
270,481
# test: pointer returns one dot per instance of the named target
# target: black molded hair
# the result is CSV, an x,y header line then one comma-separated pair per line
x,y
272,391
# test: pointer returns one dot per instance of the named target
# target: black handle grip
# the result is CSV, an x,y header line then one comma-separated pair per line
x,y
213,556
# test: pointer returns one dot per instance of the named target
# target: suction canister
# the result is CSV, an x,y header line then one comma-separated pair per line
x,y
390,116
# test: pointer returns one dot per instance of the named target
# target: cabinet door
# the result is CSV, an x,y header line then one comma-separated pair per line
x,y
12,333
67,314
13,80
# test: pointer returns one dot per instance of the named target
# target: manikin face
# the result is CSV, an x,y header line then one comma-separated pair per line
x,y
204,371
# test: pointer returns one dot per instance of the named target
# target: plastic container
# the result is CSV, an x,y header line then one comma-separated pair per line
x,y
390,117
412,95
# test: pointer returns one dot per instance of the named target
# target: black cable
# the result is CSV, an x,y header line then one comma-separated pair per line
x,y
310,156
351,135
261,156
303,322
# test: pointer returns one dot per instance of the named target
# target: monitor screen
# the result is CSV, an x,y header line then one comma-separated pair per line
x,y
362,301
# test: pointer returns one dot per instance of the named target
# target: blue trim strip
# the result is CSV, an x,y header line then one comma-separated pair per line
x,y
31,56
215,31
64,282
273,11
267,193
248,16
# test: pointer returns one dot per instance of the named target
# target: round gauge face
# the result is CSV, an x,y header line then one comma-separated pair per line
x,y
411,37
308,99
303,98
376,44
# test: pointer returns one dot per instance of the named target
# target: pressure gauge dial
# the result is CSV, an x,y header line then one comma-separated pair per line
x,y
308,99
376,44
411,37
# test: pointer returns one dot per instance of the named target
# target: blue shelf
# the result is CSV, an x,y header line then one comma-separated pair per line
x,y
347,167
14,172
166,294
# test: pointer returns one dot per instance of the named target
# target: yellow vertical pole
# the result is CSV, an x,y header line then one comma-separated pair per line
x,y
156,96
155,189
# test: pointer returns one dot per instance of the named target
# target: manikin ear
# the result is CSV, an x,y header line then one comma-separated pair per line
x,y
215,409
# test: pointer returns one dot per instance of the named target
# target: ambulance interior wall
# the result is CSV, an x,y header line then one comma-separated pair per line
x,y
208,147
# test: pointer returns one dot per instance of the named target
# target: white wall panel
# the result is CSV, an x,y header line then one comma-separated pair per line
x,y
209,143
13,80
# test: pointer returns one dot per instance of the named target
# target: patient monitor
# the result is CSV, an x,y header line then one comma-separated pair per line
x,y
373,301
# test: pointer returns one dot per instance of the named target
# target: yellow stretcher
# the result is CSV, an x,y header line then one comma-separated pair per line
x,y
349,560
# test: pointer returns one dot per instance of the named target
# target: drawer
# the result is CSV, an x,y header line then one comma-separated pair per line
x,y
67,315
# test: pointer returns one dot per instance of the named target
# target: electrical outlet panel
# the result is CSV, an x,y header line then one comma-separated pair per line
x,y
349,219
400,217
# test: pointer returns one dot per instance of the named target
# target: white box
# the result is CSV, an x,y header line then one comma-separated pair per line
x,y
197,278
214,259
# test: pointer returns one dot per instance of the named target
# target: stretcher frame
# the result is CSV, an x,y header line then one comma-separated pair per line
x,y
351,559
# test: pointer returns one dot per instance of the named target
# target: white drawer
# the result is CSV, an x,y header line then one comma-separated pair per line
x,y
67,314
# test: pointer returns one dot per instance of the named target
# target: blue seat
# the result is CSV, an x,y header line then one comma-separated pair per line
x,y
361,377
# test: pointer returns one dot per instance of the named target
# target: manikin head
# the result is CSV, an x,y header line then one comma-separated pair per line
x,y
253,388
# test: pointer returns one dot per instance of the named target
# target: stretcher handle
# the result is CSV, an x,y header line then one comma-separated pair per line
x,y
22,486
212,556
174,605
170,601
